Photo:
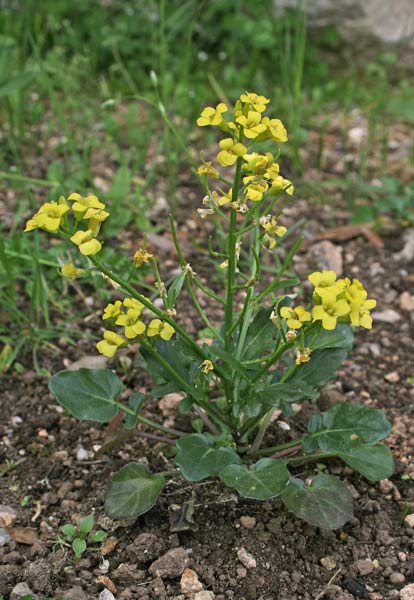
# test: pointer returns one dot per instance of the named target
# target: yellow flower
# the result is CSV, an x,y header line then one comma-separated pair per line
x,y
88,245
230,151
158,327
257,102
142,257
355,292
275,129
326,285
207,366
208,170
225,198
212,116
48,217
272,229
83,204
291,335
110,344
111,311
360,315
251,124
254,189
295,317
70,271
258,164
303,355
133,303
132,323
329,311
280,183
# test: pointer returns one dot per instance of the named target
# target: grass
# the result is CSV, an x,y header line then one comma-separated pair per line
x,y
96,96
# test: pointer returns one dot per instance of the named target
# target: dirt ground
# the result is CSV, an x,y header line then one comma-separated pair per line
x,y
241,550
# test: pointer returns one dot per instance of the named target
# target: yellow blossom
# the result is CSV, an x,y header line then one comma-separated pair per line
x,y
70,271
326,284
258,164
133,303
132,323
83,204
142,257
110,344
86,241
207,366
355,292
303,355
48,217
257,102
272,229
111,311
329,311
254,189
225,198
212,116
230,152
280,183
295,317
291,335
360,315
251,124
158,327
208,170
275,129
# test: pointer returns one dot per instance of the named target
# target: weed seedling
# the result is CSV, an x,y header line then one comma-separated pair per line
x,y
81,537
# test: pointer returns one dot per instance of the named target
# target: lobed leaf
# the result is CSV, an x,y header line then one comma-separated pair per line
x,y
373,462
197,458
265,479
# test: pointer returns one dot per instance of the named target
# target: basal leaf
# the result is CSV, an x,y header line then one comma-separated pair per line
x,y
134,491
373,462
346,426
88,394
326,502
265,479
198,458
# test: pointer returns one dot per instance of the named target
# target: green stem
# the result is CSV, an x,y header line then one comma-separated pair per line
x,y
149,422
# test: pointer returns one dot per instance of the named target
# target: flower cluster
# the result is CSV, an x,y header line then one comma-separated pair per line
x,y
260,173
127,314
335,300
88,213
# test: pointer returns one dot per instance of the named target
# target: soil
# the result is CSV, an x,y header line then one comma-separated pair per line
x,y
241,550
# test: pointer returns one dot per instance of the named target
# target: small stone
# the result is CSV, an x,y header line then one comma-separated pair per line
x,y
409,520
106,595
248,522
328,563
246,558
402,557
386,316
75,593
108,583
357,135
146,547
89,362
407,592
241,572
397,578
169,404
158,588
364,566
326,255
108,546
7,515
386,486
82,453
20,590
190,583
392,377
204,595
407,302
64,489
171,564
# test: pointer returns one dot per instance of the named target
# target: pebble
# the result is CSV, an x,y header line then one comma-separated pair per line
x,y
407,592
20,590
106,595
392,377
246,558
190,583
146,547
327,255
364,566
171,564
409,520
241,572
328,563
407,302
205,595
82,453
7,515
386,316
386,486
248,522
397,577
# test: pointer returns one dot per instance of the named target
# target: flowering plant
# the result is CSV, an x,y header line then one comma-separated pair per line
x,y
267,354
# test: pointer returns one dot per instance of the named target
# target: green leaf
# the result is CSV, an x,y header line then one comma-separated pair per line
x,y
134,491
291,391
265,479
321,368
86,524
16,84
172,352
341,337
346,426
175,288
136,402
373,462
88,394
78,547
326,502
98,536
198,459
121,184
68,531
261,335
